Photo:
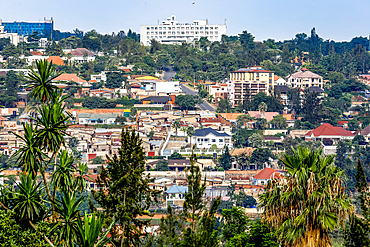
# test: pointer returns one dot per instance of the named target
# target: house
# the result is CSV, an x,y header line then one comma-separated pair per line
x,y
205,138
103,93
89,118
279,80
366,133
266,175
304,79
158,100
56,60
69,77
81,55
326,132
175,195
283,91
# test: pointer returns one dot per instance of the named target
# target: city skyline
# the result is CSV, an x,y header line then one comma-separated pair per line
x,y
339,20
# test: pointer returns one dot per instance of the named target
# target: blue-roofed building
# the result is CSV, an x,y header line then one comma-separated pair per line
x,y
176,195
205,138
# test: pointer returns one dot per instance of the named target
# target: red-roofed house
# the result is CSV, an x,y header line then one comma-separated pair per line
x,y
56,60
328,131
344,124
36,53
69,77
266,175
81,55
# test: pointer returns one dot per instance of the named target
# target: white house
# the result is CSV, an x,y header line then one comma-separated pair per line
x,y
176,195
88,118
205,138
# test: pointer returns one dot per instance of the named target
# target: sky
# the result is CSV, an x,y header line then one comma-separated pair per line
x,y
280,20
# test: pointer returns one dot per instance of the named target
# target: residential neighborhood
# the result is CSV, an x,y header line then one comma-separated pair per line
x,y
169,134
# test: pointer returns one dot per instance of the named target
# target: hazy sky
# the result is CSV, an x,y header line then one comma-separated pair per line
x,y
334,19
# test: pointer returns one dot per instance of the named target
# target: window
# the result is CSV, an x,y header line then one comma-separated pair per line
x,y
206,140
213,140
221,140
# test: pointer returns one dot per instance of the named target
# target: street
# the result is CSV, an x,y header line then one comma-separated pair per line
x,y
204,105
169,73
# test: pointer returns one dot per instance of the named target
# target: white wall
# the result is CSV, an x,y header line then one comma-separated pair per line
x,y
167,87
209,140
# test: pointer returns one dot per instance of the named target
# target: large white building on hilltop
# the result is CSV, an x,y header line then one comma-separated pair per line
x,y
171,31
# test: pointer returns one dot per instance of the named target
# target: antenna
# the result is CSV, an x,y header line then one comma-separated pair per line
x,y
225,21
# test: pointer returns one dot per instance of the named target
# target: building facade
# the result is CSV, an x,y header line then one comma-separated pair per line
x,y
170,31
304,79
25,28
205,138
252,80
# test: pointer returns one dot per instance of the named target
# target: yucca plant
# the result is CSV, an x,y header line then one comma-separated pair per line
x,y
40,81
66,229
309,202
91,231
28,201
63,176
29,156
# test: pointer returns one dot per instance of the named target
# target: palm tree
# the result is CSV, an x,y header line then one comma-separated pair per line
x,y
41,81
190,132
309,201
262,107
176,125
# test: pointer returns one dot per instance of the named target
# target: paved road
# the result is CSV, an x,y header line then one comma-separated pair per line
x,y
169,73
204,105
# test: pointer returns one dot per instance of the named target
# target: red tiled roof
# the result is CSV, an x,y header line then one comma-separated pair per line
x,y
210,120
56,60
36,53
81,52
69,77
342,122
268,173
327,129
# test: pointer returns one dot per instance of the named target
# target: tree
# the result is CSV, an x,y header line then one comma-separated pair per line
x,y
279,122
154,46
124,190
190,132
121,120
162,165
306,226
256,140
261,156
311,107
353,125
11,82
97,160
114,80
193,204
176,156
225,159
187,102
359,228
294,101
223,106
170,230
245,201
176,125
41,81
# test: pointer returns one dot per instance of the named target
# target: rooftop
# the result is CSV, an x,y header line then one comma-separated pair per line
x,y
327,129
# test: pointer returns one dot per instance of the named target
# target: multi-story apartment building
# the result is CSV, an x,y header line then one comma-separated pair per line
x,y
304,79
252,80
218,91
171,31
